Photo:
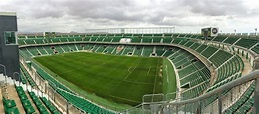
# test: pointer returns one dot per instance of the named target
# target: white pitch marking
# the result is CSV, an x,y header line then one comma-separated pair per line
x,y
148,70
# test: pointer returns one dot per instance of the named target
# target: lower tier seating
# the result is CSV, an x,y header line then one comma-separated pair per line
x,y
83,104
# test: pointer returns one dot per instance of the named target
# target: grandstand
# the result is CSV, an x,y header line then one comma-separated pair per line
x,y
202,66
218,75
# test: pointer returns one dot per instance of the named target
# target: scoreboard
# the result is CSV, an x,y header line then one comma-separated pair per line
x,y
209,32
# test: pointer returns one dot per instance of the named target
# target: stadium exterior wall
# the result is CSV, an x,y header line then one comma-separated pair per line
x,y
9,53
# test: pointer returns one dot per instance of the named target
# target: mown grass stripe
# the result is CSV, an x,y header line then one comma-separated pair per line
x,y
105,75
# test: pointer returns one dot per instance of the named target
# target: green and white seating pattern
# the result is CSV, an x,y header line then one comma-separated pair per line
x,y
228,66
83,104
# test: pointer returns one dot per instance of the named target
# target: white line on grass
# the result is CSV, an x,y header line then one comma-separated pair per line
x,y
154,89
166,74
129,69
148,70
132,70
103,63
138,82
129,73
123,98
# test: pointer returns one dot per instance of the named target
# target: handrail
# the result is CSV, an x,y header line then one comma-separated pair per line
x,y
218,91
4,72
251,76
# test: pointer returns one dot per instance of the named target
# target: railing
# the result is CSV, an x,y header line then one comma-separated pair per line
x,y
213,102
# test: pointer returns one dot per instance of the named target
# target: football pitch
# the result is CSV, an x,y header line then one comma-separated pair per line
x,y
121,79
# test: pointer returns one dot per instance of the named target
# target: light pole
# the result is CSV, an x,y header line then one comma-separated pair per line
x,y
255,32
14,77
4,72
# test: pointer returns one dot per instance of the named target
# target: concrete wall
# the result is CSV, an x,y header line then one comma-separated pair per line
x,y
9,54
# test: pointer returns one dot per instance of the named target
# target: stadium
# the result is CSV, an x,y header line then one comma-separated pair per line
x,y
130,70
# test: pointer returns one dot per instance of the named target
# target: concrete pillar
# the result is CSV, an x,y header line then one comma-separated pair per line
x,y
220,103
256,63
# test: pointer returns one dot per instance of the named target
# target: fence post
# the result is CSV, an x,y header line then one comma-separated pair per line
x,y
256,91
256,97
185,108
176,109
67,107
198,110
220,103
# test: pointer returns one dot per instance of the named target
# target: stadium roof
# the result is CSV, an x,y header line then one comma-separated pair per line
x,y
186,15
7,13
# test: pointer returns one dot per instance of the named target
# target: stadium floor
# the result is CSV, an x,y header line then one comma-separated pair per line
x,y
121,79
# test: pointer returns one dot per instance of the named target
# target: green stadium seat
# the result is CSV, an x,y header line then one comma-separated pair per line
x,y
82,103
219,38
246,43
147,40
230,40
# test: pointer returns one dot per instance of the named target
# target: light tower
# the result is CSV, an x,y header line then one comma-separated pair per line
x,y
256,32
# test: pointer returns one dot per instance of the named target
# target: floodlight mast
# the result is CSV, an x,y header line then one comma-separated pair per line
x,y
255,32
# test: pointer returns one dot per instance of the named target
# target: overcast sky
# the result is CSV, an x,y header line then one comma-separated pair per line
x,y
186,15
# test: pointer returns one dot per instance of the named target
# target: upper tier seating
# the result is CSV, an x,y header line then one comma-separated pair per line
x,y
219,38
139,38
256,49
246,43
230,40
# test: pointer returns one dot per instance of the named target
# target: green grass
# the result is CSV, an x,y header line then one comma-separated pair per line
x,y
90,96
169,80
121,79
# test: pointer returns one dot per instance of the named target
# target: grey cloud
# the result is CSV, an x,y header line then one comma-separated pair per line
x,y
118,10
216,7
47,12
121,10
68,14
36,8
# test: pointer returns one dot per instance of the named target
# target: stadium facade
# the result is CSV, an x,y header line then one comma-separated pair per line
x,y
9,52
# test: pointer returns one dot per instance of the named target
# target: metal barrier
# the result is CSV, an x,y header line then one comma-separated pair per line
x,y
213,102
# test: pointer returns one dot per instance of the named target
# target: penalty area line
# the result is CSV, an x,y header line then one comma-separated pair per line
x,y
139,82
129,72
148,70
166,74
132,70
